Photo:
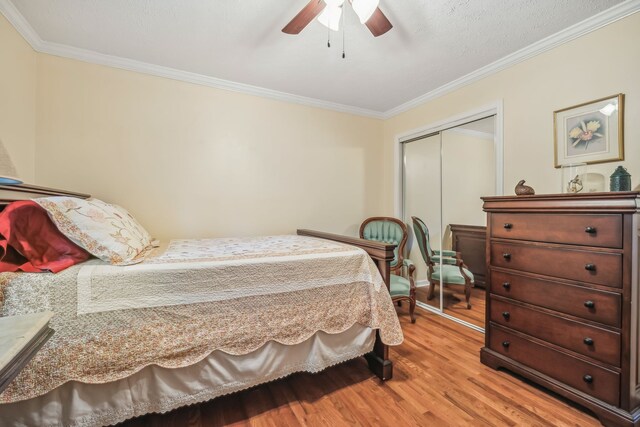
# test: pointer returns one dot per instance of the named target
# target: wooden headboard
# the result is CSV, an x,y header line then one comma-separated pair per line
x,y
12,193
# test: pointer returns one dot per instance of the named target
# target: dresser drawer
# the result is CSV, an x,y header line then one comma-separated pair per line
x,y
590,230
597,343
594,380
591,304
585,266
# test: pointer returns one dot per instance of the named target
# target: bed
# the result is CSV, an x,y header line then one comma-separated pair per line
x,y
195,320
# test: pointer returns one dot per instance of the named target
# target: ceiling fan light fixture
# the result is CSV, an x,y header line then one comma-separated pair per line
x,y
330,17
365,8
334,3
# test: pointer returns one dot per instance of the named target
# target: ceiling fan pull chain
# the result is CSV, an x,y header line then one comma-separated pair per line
x,y
343,30
328,37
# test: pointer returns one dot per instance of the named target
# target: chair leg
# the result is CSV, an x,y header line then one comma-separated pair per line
x,y
467,293
432,289
412,308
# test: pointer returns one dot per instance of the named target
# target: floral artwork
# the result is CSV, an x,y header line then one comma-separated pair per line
x,y
590,132
585,133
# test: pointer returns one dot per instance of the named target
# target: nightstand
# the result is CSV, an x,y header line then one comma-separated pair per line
x,y
20,339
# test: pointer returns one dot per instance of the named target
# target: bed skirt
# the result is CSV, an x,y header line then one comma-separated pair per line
x,y
156,389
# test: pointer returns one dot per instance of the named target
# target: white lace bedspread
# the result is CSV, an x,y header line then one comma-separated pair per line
x,y
193,271
282,289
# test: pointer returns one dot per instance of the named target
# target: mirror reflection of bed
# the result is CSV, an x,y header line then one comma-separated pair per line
x,y
445,174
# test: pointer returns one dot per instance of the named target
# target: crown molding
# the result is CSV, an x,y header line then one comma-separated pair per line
x,y
593,23
31,36
20,24
615,13
92,57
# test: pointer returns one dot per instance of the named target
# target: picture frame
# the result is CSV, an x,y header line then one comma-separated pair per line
x,y
591,132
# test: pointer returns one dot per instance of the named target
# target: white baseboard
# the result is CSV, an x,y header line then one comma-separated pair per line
x,y
422,283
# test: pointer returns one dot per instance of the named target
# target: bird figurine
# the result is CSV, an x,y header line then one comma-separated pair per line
x,y
524,190
575,185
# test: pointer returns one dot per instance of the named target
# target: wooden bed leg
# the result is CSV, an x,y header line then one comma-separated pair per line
x,y
378,360
382,254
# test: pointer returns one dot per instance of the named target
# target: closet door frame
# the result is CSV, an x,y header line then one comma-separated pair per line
x,y
493,109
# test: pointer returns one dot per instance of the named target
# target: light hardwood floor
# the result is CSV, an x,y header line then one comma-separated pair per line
x,y
455,305
438,381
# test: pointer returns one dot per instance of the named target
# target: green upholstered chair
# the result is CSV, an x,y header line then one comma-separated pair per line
x,y
445,267
392,230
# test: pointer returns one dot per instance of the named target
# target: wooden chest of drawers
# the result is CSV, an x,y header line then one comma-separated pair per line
x,y
470,241
562,300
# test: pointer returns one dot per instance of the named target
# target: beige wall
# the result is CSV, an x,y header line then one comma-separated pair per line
x,y
190,160
17,100
601,63
196,161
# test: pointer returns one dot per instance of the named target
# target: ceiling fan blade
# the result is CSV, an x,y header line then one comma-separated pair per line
x,y
378,24
305,16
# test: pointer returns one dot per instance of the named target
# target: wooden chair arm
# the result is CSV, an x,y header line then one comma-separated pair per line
x,y
461,265
410,266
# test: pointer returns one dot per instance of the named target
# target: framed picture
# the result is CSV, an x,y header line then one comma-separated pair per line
x,y
590,133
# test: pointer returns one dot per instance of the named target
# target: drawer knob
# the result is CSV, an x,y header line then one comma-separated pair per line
x,y
590,267
590,230
588,379
589,304
506,256
508,226
506,315
506,344
506,285
588,341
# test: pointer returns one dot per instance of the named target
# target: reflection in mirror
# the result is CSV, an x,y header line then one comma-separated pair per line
x,y
422,183
468,173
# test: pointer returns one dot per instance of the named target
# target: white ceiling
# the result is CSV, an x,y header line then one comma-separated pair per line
x,y
433,42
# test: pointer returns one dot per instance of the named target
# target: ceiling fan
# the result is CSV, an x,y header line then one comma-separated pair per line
x,y
330,11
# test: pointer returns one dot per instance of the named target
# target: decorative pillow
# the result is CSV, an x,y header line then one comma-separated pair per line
x,y
106,231
30,241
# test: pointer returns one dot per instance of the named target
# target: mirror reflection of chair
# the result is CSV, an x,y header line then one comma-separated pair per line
x,y
445,267
392,230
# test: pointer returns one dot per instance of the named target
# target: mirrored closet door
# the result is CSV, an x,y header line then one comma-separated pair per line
x,y
444,176
422,197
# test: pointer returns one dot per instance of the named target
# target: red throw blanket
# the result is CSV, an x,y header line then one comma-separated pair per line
x,y
30,241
